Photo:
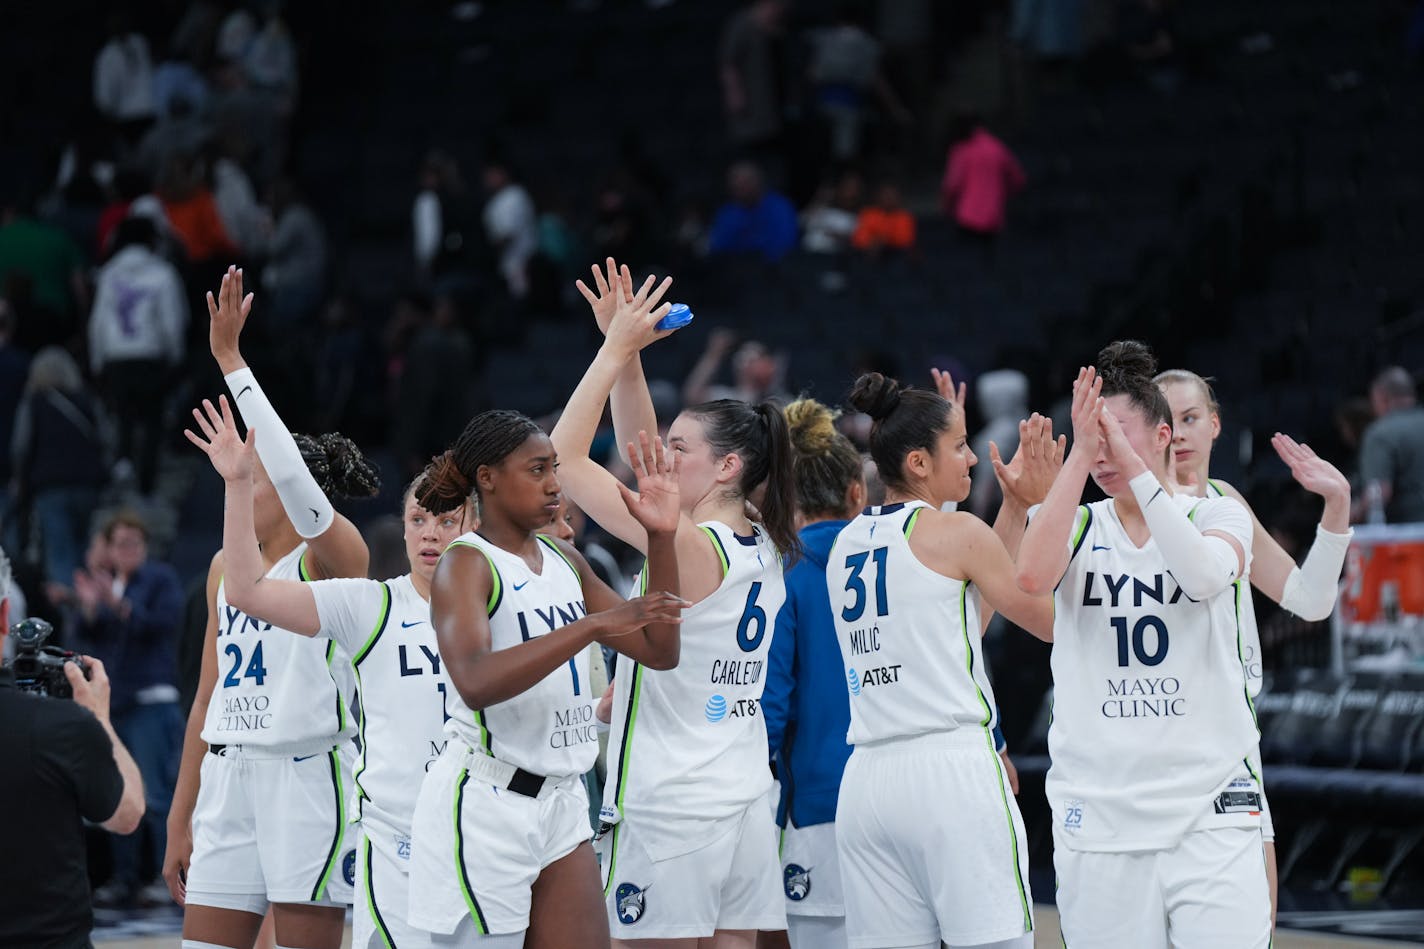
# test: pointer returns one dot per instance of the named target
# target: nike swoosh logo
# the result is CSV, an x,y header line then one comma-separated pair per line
x,y
316,515
1097,547
409,625
304,757
245,390
520,586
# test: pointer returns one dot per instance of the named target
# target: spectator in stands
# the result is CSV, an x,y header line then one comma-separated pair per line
x,y
845,74
58,454
442,218
828,225
14,369
885,226
1048,29
980,176
623,222
41,272
123,76
1003,401
295,274
129,620
1392,451
180,132
136,341
757,374
270,60
757,220
192,211
752,63
243,217
511,225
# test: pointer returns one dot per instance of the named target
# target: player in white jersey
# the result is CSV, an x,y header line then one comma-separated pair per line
x,y
690,853
384,627
1310,590
500,837
1156,814
259,811
931,843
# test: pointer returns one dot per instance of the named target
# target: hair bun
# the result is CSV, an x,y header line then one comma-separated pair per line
x,y
442,486
813,426
352,475
1123,362
875,395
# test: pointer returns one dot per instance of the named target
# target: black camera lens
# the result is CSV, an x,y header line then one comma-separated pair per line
x,y
31,633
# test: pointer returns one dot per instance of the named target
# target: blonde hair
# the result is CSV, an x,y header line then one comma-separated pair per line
x,y
824,462
1186,376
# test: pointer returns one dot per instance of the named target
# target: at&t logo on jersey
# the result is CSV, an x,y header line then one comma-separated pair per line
x,y
853,680
797,882
718,709
631,903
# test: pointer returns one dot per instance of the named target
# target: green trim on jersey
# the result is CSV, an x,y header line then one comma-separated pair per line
x,y
333,856
1216,486
486,741
1013,833
548,542
612,860
1080,530
969,652
1237,587
302,567
376,917
625,747
365,650
910,521
467,891
340,701
497,587
721,550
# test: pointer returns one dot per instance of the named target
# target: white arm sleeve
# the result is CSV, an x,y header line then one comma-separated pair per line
x,y
1203,566
307,507
1311,588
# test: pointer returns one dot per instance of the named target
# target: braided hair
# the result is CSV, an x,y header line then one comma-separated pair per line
x,y
489,438
339,467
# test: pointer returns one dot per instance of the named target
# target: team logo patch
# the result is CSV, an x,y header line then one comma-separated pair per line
x,y
853,680
716,709
348,868
797,882
630,903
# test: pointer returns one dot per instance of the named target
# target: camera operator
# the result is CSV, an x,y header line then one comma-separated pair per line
x,y
60,761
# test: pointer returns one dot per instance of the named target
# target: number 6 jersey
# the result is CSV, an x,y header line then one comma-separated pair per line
x,y
1151,717
688,744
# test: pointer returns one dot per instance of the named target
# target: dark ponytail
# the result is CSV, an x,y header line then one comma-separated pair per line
x,y
759,436
339,467
488,439
905,420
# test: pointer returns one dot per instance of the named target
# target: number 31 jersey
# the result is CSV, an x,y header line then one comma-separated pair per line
x,y
909,635
1151,718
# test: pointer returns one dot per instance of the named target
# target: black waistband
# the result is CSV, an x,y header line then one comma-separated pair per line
x,y
526,783
216,749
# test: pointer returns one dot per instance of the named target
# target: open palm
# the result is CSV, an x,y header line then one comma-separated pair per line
x,y
656,505
603,300
1314,473
232,456
228,313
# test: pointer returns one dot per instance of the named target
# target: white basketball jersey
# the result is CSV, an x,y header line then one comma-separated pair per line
x,y
688,745
1151,719
1251,659
909,636
385,628
548,730
276,687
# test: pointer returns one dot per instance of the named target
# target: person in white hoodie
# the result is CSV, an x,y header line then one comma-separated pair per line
x,y
136,335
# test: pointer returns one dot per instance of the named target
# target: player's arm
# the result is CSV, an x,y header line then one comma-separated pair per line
x,y
657,645
335,546
632,406
185,790
460,609
964,546
1046,549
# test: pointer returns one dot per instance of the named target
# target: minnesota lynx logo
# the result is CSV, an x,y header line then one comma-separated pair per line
x,y
797,881
630,903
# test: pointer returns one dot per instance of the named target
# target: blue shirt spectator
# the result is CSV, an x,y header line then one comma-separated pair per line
x,y
756,221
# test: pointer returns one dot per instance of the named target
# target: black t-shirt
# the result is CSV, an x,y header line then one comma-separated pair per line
x,y
56,766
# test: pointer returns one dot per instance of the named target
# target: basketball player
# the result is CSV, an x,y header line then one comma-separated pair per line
x,y
931,843
1156,814
689,853
261,816
500,842
1310,590
385,629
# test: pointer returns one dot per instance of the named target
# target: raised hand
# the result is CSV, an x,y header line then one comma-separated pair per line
x,y
629,617
1036,462
228,313
944,384
232,457
1312,472
604,300
656,503
1087,409
1120,453
634,323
